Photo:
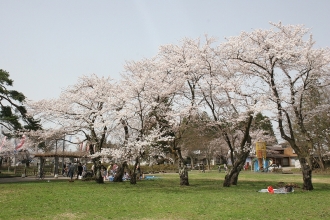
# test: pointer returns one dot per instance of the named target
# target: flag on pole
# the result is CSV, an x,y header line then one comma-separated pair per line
x,y
3,142
21,143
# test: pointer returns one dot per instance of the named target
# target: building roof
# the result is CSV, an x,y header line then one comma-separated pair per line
x,y
62,154
274,147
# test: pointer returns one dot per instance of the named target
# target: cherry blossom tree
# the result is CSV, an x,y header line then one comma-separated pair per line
x,y
142,112
210,84
186,65
164,91
206,82
85,110
317,102
232,114
285,67
231,107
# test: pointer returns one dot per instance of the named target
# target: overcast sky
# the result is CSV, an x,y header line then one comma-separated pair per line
x,y
47,45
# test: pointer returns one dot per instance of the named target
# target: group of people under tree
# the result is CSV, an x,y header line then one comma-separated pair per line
x,y
110,172
71,169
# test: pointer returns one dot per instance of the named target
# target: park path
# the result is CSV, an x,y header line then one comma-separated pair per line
x,y
29,179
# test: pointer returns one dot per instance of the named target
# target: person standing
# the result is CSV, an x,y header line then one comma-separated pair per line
x,y
64,169
203,168
80,170
84,169
71,171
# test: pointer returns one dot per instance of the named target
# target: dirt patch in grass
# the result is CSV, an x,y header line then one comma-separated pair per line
x,y
68,216
282,184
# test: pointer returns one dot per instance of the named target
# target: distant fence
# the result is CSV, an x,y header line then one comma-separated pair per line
x,y
28,171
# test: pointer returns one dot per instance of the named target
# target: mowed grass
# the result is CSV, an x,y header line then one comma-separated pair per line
x,y
164,198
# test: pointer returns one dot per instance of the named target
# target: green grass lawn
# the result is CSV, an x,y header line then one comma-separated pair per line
x,y
164,198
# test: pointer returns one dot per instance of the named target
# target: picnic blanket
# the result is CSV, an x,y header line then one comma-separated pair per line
x,y
283,190
150,177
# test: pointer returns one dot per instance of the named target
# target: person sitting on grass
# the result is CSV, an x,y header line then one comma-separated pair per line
x,y
126,176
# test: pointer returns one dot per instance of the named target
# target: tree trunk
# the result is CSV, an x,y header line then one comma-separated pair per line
x,y
120,172
226,182
41,165
306,169
232,177
183,172
133,174
133,178
98,172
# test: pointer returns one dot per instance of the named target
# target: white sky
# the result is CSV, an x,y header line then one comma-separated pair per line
x,y
47,45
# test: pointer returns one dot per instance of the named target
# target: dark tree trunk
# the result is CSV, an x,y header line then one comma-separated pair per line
x,y
184,181
98,172
226,182
120,172
306,169
41,165
133,174
183,172
133,178
232,177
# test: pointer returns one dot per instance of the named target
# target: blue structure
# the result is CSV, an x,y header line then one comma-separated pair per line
x,y
265,163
